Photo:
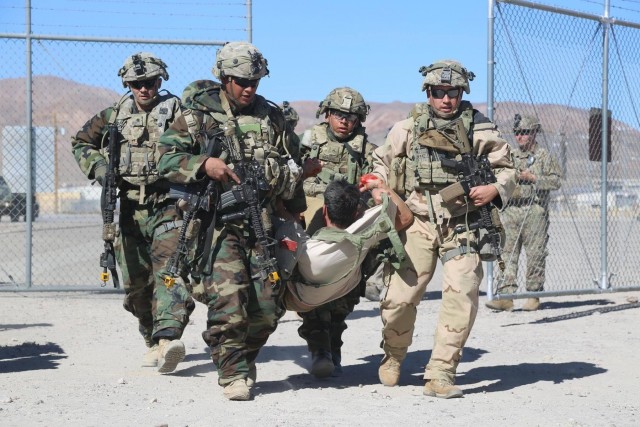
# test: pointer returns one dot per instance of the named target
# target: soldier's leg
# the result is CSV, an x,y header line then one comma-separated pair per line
x,y
512,222
132,254
535,246
458,309
344,307
172,303
406,288
316,331
227,320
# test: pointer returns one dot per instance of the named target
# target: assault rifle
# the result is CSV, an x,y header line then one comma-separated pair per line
x,y
247,195
108,200
473,172
199,203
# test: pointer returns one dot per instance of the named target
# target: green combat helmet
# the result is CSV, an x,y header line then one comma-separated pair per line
x,y
290,114
142,66
240,59
446,72
347,100
529,123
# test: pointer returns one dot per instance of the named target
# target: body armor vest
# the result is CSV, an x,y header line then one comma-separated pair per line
x,y
433,140
339,162
140,134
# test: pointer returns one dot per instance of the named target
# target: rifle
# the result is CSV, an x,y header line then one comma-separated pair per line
x,y
247,194
473,172
199,203
108,200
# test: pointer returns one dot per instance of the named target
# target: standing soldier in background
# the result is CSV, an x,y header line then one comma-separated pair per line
x,y
149,222
340,143
243,305
412,162
290,116
526,217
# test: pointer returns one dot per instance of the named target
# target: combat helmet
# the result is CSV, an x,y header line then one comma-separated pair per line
x,y
523,123
240,59
347,100
290,114
446,72
142,66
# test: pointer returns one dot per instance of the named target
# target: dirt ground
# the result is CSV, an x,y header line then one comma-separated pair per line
x,y
73,359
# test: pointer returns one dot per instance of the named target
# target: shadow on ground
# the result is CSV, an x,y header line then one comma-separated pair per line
x,y
30,356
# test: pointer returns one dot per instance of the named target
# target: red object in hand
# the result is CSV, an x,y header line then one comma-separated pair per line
x,y
367,178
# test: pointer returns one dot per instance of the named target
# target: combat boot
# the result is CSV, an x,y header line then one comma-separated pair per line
x,y
389,371
170,353
150,358
442,389
336,358
237,390
321,364
531,304
500,304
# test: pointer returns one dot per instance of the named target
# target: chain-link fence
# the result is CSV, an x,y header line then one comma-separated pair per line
x,y
52,85
564,69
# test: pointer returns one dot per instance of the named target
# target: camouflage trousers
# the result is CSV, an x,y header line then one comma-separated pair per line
x,y
147,237
527,228
462,276
323,326
242,311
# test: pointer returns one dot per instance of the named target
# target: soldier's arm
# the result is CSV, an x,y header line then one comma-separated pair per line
x,y
86,144
487,140
181,160
551,174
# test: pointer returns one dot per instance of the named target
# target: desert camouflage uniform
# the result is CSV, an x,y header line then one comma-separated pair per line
x,y
148,222
526,219
322,327
409,162
243,309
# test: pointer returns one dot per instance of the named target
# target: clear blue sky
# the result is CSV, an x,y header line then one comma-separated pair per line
x,y
375,46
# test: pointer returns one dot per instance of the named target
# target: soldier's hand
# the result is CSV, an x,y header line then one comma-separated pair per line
x,y
217,169
526,175
311,167
99,173
483,194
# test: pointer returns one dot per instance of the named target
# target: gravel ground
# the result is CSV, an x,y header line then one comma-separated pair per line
x,y
72,359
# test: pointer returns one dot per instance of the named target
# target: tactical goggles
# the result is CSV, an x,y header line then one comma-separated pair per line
x,y
523,132
245,83
340,115
440,93
139,84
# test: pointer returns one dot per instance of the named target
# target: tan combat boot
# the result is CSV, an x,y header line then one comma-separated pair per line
x,y
531,304
237,390
150,358
389,371
500,304
171,352
442,389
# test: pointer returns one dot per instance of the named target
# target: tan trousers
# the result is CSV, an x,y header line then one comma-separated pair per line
x,y
462,277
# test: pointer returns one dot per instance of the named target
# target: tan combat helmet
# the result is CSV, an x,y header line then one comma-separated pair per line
x,y
523,123
240,59
347,100
290,114
446,72
142,66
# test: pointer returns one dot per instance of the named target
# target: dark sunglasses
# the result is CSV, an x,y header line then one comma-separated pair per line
x,y
246,82
340,115
139,84
523,132
440,93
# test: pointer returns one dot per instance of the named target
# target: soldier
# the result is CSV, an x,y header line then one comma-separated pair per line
x,y
411,162
290,115
243,307
340,143
526,217
149,222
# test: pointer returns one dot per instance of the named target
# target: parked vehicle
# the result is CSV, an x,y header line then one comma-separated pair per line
x,y
14,205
